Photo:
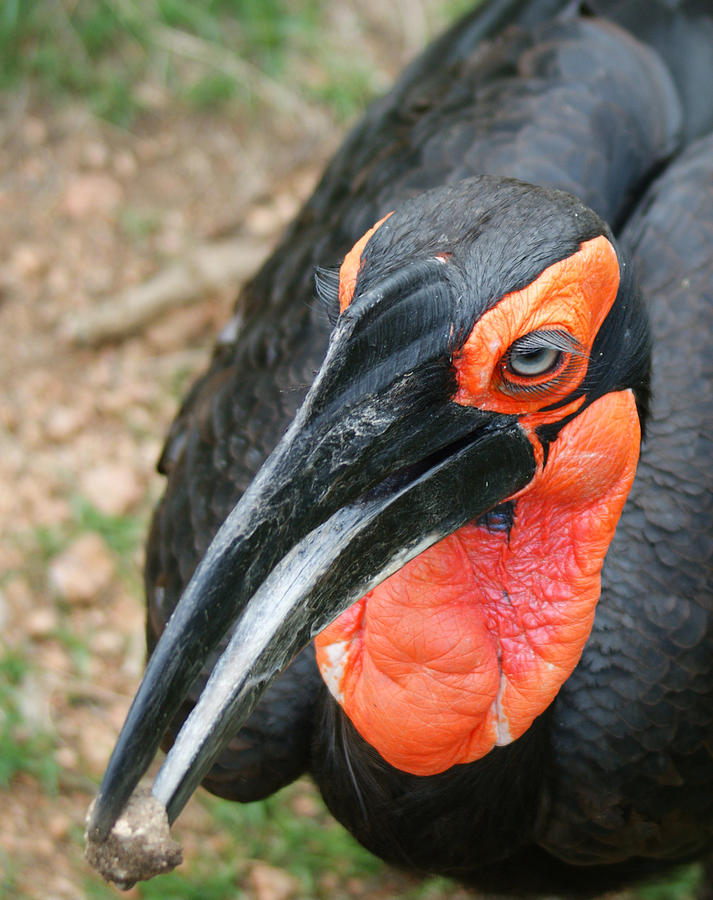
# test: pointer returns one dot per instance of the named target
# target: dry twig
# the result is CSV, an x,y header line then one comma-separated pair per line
x,y
208,267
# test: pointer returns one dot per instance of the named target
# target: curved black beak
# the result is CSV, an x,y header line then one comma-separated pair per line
x,y
378,465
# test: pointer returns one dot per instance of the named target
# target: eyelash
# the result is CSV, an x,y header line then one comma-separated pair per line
x,y
560,342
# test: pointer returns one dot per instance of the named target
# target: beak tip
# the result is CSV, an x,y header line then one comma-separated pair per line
x,y
97,830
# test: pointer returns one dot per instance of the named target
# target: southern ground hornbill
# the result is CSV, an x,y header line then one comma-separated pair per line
x,y
447,490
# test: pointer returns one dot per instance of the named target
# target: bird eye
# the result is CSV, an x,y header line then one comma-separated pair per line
x,y
533,355
533,362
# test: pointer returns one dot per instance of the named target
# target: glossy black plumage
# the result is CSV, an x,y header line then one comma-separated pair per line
x,y
618,773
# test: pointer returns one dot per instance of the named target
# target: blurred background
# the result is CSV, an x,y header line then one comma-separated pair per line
x,y
150,153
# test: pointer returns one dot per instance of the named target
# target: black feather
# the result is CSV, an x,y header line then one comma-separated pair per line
x,y
326,282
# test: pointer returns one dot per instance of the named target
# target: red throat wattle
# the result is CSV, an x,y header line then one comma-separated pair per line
x,y
463,647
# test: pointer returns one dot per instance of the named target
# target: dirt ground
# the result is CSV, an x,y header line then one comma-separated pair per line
x,y
87,211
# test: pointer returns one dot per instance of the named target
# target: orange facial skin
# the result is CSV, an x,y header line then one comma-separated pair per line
x,y
573,296
463,647
349,269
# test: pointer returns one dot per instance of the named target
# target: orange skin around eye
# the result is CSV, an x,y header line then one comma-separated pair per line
x,y
463,647
573,295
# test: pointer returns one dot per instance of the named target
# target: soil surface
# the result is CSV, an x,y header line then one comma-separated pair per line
x,y
87,211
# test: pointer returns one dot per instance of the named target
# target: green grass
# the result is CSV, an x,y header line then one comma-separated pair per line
x,y
118,56
306,847
346,86
24,746
681,885
8,875
270,831
122,534
204,884
106,51
320,856
317,852
139,223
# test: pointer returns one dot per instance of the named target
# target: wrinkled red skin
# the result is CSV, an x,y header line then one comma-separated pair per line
x,y
463,647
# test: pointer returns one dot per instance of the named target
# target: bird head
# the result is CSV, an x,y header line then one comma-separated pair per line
x,y
437,514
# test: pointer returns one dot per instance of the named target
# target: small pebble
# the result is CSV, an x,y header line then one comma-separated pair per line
x,y
92,194
83,570
113,488
139,845
270,883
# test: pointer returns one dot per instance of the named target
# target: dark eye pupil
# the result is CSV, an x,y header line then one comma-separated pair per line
x,y
533,362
